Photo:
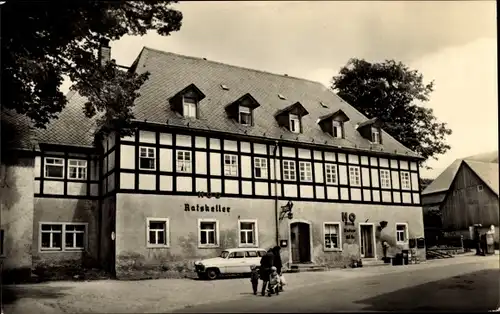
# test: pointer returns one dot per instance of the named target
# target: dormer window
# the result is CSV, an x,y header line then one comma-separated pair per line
x,y
189,105
371,130
241,110
333,123
186,102
245,116
291,117
375,136
337,129
294,123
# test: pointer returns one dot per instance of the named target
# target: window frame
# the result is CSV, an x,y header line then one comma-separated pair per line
x,y
260,167
78,167
244,111
306,179
45,174
217,234
377,139
388,179
190,165
289,162
255,231
339,236
405,184
337,129
350,176
231,166
406,233
189,104
166,232
294,117
334,167
63,248
147,151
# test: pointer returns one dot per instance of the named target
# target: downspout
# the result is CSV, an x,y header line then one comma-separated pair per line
x,y
276,194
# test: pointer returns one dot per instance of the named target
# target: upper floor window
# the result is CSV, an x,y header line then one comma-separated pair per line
x,y
375,135
260,167
147,158
385,178
294,123
77,169
54,168
189,107
230,165
354,176
288,170
337,129
305,171
331,173
245,115
183,161
405,180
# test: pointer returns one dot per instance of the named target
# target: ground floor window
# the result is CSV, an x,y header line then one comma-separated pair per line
x,y
332,236
157,233
248,232
401,232
208,231
63,236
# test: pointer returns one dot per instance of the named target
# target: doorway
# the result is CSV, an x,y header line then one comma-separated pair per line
x,y
300,240
367,240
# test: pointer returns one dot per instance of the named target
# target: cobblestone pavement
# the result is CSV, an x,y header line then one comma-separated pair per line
x,y
166,295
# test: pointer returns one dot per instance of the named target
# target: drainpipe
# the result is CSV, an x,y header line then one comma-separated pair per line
x,y
276,194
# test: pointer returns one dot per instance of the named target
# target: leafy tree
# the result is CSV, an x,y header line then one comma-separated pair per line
x,y
44,41
424,182
390,91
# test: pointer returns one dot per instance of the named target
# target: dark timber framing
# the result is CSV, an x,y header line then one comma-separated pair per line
x,y
268,144
102,180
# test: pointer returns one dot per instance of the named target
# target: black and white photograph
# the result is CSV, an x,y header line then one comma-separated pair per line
x,y
249,156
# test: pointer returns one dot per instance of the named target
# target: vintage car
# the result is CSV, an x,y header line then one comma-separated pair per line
x,y
230,262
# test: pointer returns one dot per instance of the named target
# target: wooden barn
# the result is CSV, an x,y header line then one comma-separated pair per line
x,y
464,194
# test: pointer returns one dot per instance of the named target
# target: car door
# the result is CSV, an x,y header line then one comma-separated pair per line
x,y
252,258
235,263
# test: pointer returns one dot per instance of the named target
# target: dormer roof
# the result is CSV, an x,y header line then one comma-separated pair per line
x,y
295,108
246,100
191,88
338,115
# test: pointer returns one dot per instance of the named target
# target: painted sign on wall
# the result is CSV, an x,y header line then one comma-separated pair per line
x,y
349,229
205,208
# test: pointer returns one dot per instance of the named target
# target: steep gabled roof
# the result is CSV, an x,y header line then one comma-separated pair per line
x,y
170,73
443,182
487,172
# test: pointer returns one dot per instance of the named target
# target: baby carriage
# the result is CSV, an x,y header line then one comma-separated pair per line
x,y
274,282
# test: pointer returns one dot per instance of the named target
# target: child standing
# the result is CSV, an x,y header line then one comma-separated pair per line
x,y
274,282
254,278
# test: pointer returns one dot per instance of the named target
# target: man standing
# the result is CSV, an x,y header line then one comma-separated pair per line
x,y
266,262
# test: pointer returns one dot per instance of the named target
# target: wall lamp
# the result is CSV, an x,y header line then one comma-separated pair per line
x,y
286,210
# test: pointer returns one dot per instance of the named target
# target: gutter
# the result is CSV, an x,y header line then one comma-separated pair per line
x,y
276,212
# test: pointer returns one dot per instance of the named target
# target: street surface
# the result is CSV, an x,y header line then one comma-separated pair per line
x,y
465,283
459,287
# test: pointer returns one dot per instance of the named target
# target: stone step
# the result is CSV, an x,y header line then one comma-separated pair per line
x,y
295,268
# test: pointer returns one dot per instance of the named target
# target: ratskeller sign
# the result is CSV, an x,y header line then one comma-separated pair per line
x,y
206,208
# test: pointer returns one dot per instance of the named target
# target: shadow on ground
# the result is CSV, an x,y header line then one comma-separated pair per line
x,y
11,294
477,291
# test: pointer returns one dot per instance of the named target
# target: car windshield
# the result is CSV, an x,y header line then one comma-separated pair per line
x,y
224,254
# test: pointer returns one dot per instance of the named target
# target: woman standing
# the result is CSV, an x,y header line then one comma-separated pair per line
x,y
266,262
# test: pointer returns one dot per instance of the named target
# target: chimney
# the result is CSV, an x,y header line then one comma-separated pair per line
x,y
104,52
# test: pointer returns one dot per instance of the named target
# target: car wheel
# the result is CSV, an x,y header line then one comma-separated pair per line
x,y
212,273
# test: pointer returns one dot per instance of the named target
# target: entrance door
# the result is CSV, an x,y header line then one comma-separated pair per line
x,y
300,235
367,246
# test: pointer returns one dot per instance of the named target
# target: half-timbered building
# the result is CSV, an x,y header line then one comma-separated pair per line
x,y
222,156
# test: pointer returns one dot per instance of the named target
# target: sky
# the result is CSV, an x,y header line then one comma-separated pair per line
x,y
450,42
